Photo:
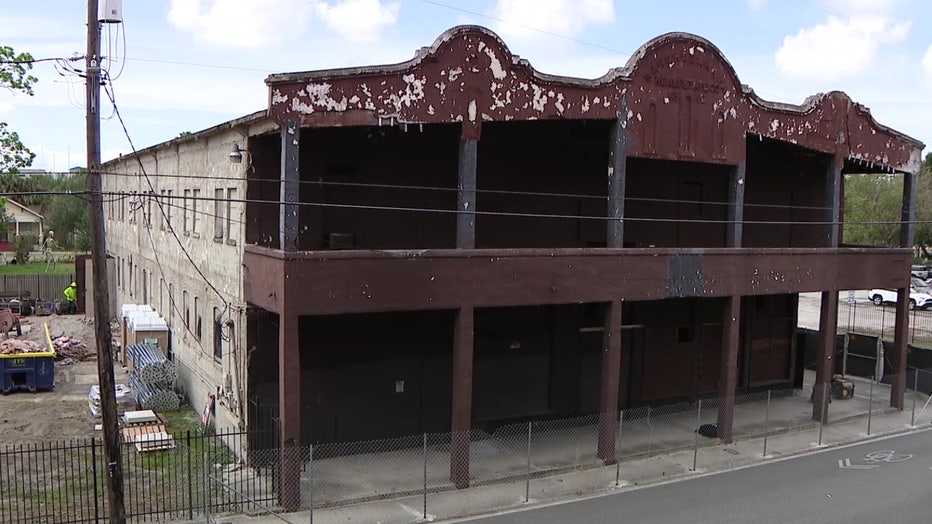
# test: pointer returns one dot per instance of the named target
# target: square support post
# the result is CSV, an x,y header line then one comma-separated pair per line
x,y
617,175
289,400
833,201
611,369
825,364
900,349
736,205
466,188
290,186
908,215
463,339
728,383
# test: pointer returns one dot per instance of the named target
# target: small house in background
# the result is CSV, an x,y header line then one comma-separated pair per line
x,y
23,221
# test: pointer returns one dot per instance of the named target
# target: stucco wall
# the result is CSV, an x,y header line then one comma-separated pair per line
x,y
196,272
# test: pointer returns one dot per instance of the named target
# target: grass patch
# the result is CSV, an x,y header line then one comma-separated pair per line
x,y
34,268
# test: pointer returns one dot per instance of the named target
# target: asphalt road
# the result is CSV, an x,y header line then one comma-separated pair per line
x,y
888,480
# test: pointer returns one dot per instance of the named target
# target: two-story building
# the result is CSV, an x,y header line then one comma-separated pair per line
x,y
460,241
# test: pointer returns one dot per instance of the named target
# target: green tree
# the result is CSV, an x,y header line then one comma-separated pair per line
x,y
924,208
66,212
872,202
14,76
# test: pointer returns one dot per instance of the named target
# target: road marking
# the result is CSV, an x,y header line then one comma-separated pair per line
x,y
846,464
887,455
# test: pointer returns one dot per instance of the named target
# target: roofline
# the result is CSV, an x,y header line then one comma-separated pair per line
x,y
24,208
249,119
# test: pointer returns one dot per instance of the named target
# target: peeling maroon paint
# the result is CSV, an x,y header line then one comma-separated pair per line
x,y
683,99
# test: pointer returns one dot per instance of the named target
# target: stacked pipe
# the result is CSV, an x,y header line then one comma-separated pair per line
x,y
156,397
150,365
152,378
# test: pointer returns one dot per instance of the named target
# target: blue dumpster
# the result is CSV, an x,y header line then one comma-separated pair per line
x,y
27,372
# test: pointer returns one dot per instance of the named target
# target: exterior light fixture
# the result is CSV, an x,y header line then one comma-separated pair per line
x,y
236,154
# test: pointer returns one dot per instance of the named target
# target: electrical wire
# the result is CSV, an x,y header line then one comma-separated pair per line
x,y
108,89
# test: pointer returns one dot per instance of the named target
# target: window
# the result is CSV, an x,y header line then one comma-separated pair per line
x,y
169,204
171,304
218,215
184,211
195,195
218,334
231,196
147,215
145,287
197,318
187,312
162,199
133,205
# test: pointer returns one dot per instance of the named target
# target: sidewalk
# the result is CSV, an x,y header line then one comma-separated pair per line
x,y
653,449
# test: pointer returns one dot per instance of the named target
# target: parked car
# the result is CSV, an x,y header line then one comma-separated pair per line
x,y
921,272
920,295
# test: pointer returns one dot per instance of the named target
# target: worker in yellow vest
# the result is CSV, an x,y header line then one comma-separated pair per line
x,y
71,299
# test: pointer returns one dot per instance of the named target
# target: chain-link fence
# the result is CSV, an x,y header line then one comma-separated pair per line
x,y
861,316
447,475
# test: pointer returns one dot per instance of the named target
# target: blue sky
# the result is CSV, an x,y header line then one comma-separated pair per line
x,y
192,64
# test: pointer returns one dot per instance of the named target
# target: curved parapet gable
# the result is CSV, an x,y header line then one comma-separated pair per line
x,y
678,97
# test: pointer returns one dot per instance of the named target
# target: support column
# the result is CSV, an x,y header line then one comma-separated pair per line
x,y
611,369
289,401
728,381
833,202
900,349
466,190
736,205
463,336
901,328
908,215
825,364
290,187
617,175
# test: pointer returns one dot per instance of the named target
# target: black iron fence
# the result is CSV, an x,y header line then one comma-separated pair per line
x,y
175,478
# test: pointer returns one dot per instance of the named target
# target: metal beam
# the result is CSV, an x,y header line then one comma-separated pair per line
x,y
463,338
617,175
611,369
833,202
466,194
290,186
908,216
736,205
728,383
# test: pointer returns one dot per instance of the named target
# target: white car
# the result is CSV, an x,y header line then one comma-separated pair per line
x,y
920,295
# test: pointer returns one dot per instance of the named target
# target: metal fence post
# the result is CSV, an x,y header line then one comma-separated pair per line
x,y
915,394
190,480
870,407
94,469
696,434
206,490
310,474
425,476
650,437
621,419
766,423
527,481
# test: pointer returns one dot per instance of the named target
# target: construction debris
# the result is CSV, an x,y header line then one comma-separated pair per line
x,y
15,346
70,347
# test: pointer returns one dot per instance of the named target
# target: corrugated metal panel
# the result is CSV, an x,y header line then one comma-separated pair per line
x,y
42,286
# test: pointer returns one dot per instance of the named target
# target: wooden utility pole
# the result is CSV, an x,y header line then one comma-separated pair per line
x,y
99,265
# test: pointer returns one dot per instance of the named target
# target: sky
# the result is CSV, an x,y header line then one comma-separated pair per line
x,y
186,65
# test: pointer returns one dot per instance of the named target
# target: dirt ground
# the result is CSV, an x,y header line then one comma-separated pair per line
x,y
60,414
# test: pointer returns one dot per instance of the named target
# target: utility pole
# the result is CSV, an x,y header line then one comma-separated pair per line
x,y
99,265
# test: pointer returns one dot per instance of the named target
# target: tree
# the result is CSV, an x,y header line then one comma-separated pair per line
x,y
924,208
872,208
14,76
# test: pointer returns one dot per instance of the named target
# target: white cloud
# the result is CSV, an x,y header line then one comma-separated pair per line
x,y
757,5
532,19
239,23
838,47
357,20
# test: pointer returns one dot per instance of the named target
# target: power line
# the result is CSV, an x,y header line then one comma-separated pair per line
x,y
74,58
108,89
